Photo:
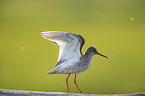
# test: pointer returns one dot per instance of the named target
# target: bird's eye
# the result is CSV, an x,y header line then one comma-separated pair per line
x,y
95,50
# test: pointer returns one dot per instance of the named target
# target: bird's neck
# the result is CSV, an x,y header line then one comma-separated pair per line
x,y
87,58
88,55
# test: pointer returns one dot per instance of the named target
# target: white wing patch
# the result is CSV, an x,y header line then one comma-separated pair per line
x,y
69,44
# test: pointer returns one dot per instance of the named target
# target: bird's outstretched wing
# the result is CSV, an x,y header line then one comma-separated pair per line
x,y
70,44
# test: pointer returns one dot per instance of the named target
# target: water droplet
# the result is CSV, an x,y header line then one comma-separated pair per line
x,y
93,82
131,19
22,48
114,49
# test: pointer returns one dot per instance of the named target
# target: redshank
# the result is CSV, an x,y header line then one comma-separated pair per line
x,y
70,60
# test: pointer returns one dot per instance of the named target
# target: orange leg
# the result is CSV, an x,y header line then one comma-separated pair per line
x,y
67,83
77,84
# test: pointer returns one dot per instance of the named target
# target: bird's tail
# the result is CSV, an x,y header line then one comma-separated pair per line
x,y
52,72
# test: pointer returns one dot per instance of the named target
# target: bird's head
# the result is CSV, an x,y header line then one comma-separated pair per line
x,y
94,51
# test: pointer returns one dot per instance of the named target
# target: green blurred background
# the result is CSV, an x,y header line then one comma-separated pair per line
x,y
115,27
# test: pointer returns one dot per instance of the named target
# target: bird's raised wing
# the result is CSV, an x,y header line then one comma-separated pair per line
x,y
70,44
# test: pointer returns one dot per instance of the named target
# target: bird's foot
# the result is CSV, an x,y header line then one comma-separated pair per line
x,y
83,93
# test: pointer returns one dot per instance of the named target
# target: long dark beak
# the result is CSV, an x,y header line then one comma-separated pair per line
x,y
102,55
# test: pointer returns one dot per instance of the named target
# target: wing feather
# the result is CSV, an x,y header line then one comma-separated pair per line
x,y
70,44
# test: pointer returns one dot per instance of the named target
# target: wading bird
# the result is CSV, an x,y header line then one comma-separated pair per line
x,y
70,60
